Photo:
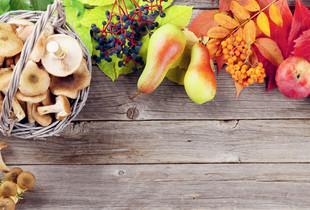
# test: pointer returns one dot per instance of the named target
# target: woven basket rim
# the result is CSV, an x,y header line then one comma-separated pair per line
x,y
28,131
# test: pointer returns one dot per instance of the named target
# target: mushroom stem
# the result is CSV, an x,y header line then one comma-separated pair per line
x,y
55,108
53,47
61,108
29,112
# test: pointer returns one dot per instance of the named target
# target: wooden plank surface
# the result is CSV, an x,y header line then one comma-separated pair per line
x,y
168,142
111,101
198,186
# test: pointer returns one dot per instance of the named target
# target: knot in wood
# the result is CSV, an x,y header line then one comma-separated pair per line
x,y
133,113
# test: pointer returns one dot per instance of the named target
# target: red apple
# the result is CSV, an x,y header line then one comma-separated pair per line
x,y
293,77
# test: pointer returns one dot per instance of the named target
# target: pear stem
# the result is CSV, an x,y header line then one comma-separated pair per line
x,y
135,95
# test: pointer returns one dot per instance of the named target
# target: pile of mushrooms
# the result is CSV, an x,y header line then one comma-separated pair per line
x,y
55,71
16,182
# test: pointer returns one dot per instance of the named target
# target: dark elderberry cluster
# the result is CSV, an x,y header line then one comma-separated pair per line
x,y
122,38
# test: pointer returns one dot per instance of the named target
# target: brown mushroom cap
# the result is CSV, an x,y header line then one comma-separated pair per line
x,y
8,188
10,44
71,85
26,180
62,108
44,120
12,175
7,204
32,99
66,62
33,81
5,78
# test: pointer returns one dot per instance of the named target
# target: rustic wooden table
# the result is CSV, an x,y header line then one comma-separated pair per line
x,y
162,151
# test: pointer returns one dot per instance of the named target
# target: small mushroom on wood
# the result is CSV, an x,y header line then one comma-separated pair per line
x,y
7,204
71,85
44,120
61,108
12,175
26,180
33,81
3,166
63,55
10,44
7,189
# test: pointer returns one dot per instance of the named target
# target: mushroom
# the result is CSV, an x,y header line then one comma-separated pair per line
x,y
16,58
9,62
10,44
63,55
25,32
3,166
44,120
7,204
39,49
12,175
71,85
48,100
20,23
1,61
5,78
17,108
33,81
26,180
61,108
7,27
30,100
8,188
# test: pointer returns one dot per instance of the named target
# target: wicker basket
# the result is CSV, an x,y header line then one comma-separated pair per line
x,y
10,127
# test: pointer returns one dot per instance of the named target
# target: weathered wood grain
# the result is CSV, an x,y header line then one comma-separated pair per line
x,y
250,186
137,142
207,4
111,101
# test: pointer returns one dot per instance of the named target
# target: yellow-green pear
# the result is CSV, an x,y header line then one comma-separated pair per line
x,y
199,80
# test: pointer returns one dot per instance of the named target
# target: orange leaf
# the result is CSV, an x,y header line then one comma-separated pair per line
x,y
270,50
218,32
253,58
239,88
213,46
203,22
226,21
250,5
275,15
249,32
224,5
239,33
263,23
239,11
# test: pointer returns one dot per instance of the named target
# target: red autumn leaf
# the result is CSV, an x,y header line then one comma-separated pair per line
x,y
264,3
224,5
220,61
300,23
269,69
203,22
280,34
302,45
239,88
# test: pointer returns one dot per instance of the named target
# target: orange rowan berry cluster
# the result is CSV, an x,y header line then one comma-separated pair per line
x,y
236,52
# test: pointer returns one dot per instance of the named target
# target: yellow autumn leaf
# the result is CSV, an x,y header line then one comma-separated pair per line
x,y
249,32
263,23
239,11
250,5
226,21
218,32
239,33
275,15
213,46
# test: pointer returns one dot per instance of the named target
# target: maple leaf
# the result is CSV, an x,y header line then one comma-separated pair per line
x,y
300,23
280,34
224,5
203,22
302,45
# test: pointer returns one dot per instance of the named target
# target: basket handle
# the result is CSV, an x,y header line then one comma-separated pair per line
x,y
7,124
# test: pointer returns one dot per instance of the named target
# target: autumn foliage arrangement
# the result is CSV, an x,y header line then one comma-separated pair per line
x,y
254,37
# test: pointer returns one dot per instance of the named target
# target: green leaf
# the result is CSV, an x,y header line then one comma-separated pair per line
x,y
95,16
4,6
124,69
163,4
179,15
98,2
41,4
176,75
19,5
84,33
